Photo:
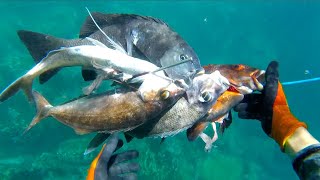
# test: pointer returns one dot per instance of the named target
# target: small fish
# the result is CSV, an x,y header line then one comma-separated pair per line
x,y
243,80
107,112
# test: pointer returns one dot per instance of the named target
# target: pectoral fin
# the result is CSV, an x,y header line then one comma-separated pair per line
x,y
97,140
80,131
196,130
89,75
227,120
128,137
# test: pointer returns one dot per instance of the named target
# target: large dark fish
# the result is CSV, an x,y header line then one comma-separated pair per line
x,y
144,37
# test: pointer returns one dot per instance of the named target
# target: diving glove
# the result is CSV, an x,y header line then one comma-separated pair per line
x,y
113,166
271,108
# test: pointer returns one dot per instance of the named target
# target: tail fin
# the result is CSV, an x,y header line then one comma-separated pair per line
x,y
39,45
21,83
43,108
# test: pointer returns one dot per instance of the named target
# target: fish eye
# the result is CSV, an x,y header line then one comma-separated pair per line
x,y
239,67
165,94
183,57
205,97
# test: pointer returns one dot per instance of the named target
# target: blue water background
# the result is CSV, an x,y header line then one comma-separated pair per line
x,y
221,32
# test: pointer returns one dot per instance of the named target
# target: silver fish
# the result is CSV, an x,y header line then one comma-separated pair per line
x,y
86,56
145,37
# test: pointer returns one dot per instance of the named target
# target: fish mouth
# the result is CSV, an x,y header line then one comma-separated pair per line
x,y
258,79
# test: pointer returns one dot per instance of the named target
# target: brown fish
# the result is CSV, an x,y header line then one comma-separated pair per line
x,y
203,93
116,110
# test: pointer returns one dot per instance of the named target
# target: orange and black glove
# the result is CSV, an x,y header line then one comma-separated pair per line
x,y
109,166
271,108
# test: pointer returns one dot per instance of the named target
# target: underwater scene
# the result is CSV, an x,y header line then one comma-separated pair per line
x,y
249,32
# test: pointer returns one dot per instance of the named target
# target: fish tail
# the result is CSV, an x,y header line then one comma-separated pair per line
x,y
39,45
23,83
43,107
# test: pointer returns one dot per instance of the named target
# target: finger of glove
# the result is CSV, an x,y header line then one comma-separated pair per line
x,y
248,107
271,86
248,115
123,168
130,176
252,98
240,107
109,148
122,157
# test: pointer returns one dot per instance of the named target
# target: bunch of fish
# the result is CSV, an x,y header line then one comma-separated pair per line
x,y
161,87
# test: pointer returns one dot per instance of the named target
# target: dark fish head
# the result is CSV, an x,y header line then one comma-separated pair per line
x,y
243,78
181,51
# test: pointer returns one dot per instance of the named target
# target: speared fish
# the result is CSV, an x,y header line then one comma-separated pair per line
x,y
243,80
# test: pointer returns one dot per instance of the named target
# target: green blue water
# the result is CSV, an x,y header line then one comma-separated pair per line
x,y
248,32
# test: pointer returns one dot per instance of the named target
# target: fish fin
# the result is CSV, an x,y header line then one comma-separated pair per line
x,y
97,140
129,42
94,85
96,42
23,83
39,45
207,140
89,75
162,140
114,44
194,131
226,122
81,131
44,77
89,27
128,137
114,83
43,107
104,20
137,53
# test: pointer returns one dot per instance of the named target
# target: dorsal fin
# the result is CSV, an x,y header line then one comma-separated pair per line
x,y
104,20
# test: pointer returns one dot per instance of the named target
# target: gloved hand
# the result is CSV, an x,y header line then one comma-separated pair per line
x,y
271,108
109,166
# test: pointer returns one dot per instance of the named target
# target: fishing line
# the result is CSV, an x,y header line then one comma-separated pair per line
x,y
301,81
112,42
